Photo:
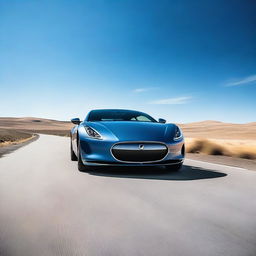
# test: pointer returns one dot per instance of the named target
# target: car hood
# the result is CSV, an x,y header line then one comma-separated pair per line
x,y
135,131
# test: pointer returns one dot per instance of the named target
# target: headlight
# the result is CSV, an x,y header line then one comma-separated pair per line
x,y
178,134
92,133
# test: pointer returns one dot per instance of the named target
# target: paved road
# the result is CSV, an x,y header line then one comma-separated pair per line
x,y
48,207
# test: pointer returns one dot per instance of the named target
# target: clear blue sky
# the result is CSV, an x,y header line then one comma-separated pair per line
x,y
180,60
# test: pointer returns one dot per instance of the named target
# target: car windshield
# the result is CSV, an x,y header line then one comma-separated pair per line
x,y
119,115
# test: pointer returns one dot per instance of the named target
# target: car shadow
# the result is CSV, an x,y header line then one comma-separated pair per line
x,y
157,173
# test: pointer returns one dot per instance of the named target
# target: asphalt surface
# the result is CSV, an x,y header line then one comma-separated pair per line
x,y
12,147
48,207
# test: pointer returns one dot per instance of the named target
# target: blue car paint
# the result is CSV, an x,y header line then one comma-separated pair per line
x,y
98,151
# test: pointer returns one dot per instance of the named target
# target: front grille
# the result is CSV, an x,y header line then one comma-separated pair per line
x,y
139,152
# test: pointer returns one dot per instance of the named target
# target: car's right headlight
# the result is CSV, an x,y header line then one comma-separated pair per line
x,y
92,133
178,134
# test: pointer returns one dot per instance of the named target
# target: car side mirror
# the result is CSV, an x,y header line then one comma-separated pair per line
x,y
161,120
75,121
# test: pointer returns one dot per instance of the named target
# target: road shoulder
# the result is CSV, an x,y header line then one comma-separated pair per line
x,y
224,160
14,146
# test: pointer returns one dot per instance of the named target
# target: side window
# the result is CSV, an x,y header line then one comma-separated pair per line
x,y
143,119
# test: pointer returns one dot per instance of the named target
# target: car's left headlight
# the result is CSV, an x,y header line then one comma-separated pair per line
x,y
92,133
178,134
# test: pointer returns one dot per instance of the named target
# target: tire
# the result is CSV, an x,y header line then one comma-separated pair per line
x,y
174,167
81,167
72,153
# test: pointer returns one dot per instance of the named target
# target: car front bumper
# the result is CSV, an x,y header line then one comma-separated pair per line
x,y
99,153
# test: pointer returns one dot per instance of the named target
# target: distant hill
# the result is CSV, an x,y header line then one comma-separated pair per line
x,y
219,130
206,129
36,125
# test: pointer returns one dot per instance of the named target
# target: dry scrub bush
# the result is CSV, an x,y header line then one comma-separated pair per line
x,y
207,147
247,155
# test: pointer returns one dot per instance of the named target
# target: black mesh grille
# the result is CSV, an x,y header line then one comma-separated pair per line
x,y
139,152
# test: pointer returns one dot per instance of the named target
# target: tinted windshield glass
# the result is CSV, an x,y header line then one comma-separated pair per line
x,y
119,115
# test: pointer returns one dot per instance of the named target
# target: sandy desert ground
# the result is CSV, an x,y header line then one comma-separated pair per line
x,y
220,130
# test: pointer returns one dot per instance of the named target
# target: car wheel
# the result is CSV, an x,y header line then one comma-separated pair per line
x,y
174,167
80,164
72,153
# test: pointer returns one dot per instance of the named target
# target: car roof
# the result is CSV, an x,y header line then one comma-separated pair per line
x,y
114,109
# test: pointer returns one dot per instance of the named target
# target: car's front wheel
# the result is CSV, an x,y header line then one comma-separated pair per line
x,y
174,167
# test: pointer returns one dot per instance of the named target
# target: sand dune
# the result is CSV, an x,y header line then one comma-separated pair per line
x,y
34,123
220,130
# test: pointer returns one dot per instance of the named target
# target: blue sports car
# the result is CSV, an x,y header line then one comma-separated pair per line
x,y
117,137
